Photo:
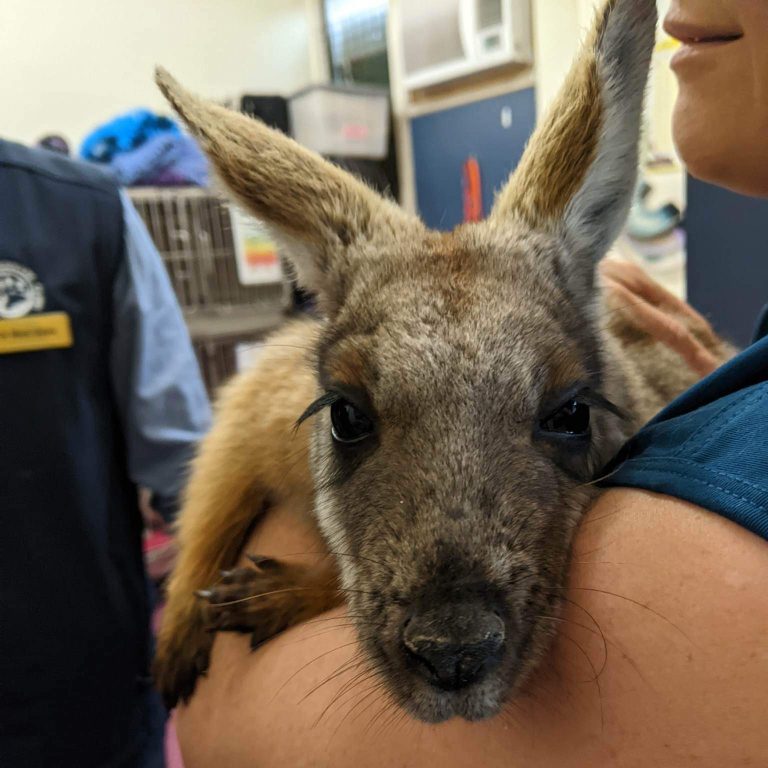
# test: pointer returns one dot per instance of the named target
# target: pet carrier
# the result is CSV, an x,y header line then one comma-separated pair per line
x,y
226,274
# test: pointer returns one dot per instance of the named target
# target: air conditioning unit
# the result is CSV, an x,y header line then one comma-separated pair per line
x,y
446,40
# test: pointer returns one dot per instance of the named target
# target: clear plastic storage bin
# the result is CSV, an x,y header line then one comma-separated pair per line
x,y
341,121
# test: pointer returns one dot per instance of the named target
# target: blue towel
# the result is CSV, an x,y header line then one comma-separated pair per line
x,y
124,134
144,149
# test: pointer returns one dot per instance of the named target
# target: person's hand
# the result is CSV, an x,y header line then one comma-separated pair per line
x,y
153,520
652,309
160,549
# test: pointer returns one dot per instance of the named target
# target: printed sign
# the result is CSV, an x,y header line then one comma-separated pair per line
x,y
258,261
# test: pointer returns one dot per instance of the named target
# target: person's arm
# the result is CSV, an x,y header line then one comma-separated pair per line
x,y
660,662
156,379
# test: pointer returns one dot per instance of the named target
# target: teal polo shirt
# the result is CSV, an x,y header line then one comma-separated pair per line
x,y
710,445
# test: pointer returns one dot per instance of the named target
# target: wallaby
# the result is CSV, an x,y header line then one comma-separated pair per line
x,y
455,403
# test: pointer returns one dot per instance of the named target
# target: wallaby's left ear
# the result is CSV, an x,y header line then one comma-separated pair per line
x,y
328,220
578,173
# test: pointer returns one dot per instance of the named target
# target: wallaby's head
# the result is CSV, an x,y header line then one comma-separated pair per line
x,y
465,397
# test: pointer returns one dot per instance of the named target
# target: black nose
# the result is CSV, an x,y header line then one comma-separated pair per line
x,y
454,646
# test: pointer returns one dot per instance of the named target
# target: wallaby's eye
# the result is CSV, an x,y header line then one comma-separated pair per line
x,y
570,420
349,423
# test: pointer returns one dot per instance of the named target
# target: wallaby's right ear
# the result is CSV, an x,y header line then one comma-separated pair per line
x,y
578,173
322,214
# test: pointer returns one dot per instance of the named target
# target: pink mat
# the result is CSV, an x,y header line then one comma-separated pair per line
x,y
172,751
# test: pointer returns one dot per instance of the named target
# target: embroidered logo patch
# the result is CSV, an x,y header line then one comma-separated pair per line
x,y
20,291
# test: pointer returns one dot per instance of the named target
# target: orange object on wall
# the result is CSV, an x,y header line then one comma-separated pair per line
x,y
473,190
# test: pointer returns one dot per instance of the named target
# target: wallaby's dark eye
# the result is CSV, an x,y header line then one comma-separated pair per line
x,y
571,420
350,424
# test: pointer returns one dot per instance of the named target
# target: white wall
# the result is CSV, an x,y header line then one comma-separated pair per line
x,y
557,31
69,64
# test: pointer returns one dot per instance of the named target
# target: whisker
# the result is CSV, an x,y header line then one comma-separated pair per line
x,y
602,478
338,699
312,661
366,694
602,562
514,712
385,710
333,553
394,714
597,626
377,689
321,633
595,679
591,520
612,643
588,629
313,588
349,689
336,617
639,605
376,716
348,666
263,594
594,549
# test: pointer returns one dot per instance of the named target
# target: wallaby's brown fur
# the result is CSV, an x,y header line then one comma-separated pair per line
x,y
465,353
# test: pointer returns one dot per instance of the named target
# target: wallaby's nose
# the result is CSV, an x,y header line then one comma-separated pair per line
x,y
454,646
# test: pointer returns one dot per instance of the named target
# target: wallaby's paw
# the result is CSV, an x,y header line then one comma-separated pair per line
x,y
267,598
179,664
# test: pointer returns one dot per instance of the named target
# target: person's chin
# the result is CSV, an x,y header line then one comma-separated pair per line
x,y
717,155
693,133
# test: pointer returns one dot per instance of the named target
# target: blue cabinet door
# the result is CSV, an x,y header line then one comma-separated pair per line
x,y
494,131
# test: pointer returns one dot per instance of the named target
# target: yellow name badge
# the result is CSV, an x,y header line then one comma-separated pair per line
x,y
51,330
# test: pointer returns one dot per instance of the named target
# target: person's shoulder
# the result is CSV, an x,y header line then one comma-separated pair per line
x,y
649,612
56,168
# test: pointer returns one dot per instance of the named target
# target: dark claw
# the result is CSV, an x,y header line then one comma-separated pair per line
x,y
230,605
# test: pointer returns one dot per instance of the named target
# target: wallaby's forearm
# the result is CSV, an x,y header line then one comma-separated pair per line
x,y
252,456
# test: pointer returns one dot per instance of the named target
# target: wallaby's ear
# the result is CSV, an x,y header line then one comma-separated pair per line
x,y
579,170
322,214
